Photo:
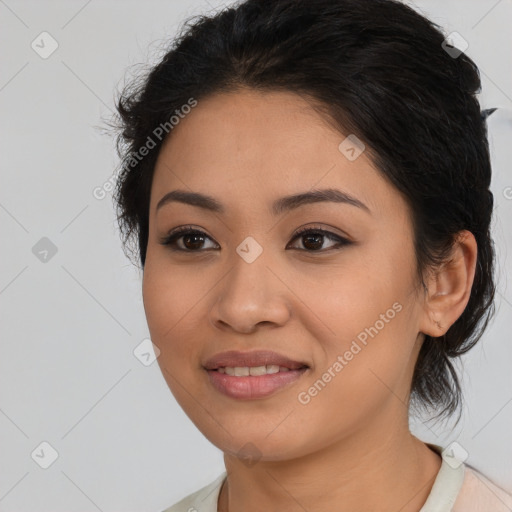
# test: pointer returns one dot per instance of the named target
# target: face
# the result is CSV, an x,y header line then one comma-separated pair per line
x,y
340,299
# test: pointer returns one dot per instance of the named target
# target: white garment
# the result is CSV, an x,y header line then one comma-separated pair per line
x,y
458,487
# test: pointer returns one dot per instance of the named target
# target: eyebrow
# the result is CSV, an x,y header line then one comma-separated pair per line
x,y
280,206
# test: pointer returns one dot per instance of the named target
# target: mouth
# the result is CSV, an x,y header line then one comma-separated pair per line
x,y
252,375
254,371
260,362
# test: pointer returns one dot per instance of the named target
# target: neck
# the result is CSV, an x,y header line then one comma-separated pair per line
x,y
372,469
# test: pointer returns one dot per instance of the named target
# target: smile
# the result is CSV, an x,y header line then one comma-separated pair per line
x,y
245,371
250,383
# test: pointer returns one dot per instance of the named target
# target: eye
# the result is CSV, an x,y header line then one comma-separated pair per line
x,y
313,238
192,240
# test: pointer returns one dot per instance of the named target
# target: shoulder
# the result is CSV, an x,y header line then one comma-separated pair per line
x,y
460,487
479,494
203,500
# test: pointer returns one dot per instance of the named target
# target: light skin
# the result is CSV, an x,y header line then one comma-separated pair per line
x,y
350,447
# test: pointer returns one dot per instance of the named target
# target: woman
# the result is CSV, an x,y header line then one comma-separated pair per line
x,y
307,184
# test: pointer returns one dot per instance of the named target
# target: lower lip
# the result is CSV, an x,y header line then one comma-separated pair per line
x,y
253,387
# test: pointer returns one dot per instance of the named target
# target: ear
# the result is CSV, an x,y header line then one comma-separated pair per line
x,y
449,288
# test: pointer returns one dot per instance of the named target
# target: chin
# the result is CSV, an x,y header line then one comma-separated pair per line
x,y
258,446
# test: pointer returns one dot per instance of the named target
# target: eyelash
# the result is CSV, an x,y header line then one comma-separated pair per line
x,y
173,236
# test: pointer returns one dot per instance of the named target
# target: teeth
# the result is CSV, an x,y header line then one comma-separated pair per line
x,y
258,370
245,371
241,371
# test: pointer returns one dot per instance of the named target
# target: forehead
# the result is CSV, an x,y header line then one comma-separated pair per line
x,y
260,146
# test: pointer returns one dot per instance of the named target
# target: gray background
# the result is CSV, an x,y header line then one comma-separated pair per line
x,y
70,324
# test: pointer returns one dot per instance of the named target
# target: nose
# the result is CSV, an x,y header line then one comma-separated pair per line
x,y
250,294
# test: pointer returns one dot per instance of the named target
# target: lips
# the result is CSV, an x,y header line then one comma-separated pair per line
x,y
253,375
235,358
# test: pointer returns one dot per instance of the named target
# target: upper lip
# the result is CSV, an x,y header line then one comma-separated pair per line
x,y
233,358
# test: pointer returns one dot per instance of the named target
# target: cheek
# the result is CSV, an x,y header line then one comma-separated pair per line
x,y
358,380
169,307
369,354
166,314
169,295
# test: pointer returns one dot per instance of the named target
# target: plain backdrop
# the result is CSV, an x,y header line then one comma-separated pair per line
x,y
71,307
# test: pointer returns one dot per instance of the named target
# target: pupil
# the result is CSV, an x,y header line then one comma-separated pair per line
x,y
188,237
313,236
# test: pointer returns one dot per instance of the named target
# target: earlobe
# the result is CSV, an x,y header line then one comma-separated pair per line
x,y
449,288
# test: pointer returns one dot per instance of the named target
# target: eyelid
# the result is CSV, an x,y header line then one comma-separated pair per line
x,y
328,230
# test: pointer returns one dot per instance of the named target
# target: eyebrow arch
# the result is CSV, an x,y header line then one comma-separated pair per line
x,y
280,206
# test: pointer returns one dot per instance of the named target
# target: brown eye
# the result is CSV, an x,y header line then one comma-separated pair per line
x,y
313,239
192,240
